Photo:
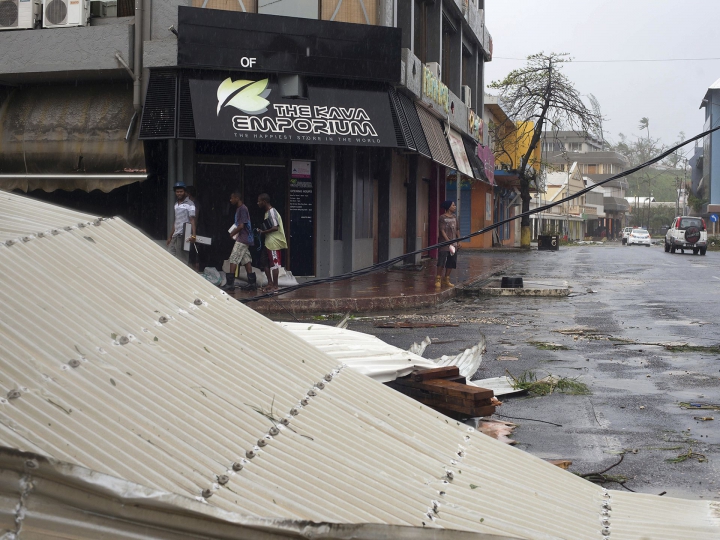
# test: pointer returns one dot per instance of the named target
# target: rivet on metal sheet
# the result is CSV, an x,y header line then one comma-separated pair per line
x,y
237,466
198,302
223,479
69,228
207,493
286,421
163,319
123,340
329,377
9,243
262,442
304,401
606,506
74,363
41,235
435,506
31,464
274,431
81,225
320,385
449,475
14,394
3,401
294,411
312,393
441,493
605,532
27,238
467,438
471,429
250,454
55,232
605,522
97,222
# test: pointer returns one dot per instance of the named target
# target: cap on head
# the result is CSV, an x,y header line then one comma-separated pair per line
x,y
447,204
179,185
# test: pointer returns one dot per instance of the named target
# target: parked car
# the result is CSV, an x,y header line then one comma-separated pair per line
x,y
639,237
687,232
626,232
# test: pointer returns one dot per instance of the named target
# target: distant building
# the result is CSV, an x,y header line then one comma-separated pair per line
x,y
561,149
709,183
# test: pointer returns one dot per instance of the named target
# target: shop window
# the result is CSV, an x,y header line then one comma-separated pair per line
x,y
306,9
352,11
364,195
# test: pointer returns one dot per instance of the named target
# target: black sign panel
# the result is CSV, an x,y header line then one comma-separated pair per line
x,y
209,38
302,225
252,111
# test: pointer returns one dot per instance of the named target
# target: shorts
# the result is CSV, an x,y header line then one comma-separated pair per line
x,y
446,260
271,259
240,254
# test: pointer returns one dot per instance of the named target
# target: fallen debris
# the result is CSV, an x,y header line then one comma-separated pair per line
x,y
703,418
600,477
501,386
562,463
419,348
408,324
702,458
701,406
543,346
496,429
547,385
446,391
507,358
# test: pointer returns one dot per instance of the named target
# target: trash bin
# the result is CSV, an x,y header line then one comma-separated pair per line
x,y
548,242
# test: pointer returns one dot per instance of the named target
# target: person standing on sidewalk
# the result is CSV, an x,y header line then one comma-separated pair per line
x,y
184,213
273,237
242,234
447,255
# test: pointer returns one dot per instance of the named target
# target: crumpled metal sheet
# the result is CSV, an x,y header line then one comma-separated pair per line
x,y
133,366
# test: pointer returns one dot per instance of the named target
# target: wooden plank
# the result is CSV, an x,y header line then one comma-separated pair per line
x,y
420,375
449,388
430,398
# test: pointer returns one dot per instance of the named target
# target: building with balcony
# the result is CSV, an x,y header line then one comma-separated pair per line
x,y
561,149
358,117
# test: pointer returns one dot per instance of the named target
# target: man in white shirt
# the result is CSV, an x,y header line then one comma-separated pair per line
x,y
184,213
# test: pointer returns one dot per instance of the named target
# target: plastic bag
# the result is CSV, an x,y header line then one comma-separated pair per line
x,y
213,276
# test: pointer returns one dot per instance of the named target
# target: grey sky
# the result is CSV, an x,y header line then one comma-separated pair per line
x,y
668,93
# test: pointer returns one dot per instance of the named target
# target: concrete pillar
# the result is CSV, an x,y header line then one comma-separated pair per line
x,y
454,80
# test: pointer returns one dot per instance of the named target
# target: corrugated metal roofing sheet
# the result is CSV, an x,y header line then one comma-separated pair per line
x,y
135,367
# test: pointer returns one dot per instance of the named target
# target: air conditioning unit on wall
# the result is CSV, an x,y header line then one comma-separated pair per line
x,y
59,13
434,68
465,95
19,14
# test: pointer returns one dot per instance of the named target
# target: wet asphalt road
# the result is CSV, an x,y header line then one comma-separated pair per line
x,y
639,294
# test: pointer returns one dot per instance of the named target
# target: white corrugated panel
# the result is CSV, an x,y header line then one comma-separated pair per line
x,y
133,366
361,352
373,357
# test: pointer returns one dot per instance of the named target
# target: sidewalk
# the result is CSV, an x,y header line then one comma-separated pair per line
x,y
385,290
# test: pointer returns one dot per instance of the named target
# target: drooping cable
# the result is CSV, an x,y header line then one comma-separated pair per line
x,y
400,258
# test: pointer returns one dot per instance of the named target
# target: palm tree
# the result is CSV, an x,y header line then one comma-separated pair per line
x,y
645,124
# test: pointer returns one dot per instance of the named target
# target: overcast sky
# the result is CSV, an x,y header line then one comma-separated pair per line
x,y
668,93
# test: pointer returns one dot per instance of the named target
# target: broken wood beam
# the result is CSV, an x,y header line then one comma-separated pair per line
x,y
435,373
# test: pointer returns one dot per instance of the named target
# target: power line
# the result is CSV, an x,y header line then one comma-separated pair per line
x,y
400,258
619,60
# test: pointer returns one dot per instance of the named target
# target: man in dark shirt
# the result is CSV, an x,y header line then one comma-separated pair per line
x,y
240,232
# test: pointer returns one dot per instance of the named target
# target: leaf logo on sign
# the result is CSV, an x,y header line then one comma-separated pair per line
x,y
246,96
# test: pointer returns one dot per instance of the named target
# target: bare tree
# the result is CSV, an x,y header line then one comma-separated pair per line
x,y
541,94
600,119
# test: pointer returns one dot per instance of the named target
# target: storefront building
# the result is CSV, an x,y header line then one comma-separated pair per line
x,y
322,117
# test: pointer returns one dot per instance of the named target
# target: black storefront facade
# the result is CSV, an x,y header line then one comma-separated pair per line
x,y
303,110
